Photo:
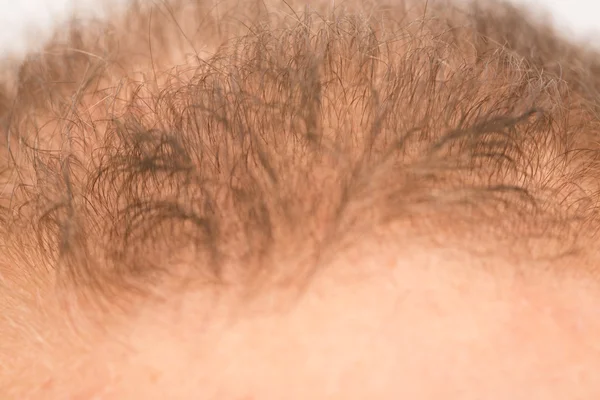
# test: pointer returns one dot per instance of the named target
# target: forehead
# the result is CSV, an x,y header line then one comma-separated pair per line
x,y
418,325
429,184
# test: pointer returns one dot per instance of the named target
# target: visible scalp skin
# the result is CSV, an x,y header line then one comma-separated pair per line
x,y
239,150
125,145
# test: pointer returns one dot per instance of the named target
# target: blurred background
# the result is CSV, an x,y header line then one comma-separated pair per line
x,y
26,24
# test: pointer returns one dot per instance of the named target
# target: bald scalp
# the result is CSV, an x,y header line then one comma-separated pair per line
x,y
186,142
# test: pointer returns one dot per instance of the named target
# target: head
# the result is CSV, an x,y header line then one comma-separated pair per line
x,y
273,201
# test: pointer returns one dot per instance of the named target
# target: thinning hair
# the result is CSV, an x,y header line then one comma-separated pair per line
x,y
228,139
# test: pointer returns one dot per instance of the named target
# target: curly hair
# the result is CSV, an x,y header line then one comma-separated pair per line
x,y
207,144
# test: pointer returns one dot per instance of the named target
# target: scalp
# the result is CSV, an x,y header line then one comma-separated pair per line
x,y
212,143
188,148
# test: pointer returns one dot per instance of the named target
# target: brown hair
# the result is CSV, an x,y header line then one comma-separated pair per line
x,y
228,140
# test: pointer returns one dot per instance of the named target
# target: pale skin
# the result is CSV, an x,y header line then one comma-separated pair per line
x,y
398,314
409,331
412,327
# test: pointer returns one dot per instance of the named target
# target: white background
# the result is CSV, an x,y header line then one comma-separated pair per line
x,y
25,24
577,18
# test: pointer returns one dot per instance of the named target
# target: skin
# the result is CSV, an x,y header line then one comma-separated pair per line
x,y
422,323
395,315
